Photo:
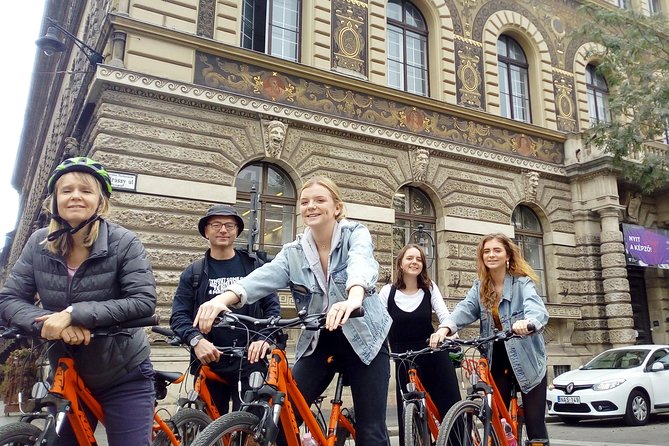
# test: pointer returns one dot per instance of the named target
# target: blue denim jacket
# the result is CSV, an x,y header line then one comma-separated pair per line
x,y
519,301
351,263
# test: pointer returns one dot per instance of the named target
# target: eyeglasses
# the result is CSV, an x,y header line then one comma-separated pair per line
x,y
217,226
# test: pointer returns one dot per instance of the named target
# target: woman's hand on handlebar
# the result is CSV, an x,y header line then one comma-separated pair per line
x,y
522,327
340,312
208,311
438,337
54,324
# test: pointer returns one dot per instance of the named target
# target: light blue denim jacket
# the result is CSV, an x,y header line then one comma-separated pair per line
x,y
520,300
351,263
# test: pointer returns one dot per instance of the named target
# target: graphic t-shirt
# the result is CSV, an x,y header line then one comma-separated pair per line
x,y
223,273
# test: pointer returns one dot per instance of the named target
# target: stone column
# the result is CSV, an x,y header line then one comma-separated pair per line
x,y
618,309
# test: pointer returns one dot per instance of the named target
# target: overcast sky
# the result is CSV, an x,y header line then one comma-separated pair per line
x,y
19,28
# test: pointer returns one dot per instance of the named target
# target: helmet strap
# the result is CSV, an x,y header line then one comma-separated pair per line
x,y
67,229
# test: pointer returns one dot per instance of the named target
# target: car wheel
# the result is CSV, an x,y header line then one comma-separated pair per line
x,y
569,420
638,409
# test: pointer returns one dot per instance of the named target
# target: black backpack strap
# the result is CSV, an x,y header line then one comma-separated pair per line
x,y
198,272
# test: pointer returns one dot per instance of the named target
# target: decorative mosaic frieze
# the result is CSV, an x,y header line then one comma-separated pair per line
x,y
256,82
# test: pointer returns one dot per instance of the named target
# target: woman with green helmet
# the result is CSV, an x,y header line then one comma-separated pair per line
x,y
89,273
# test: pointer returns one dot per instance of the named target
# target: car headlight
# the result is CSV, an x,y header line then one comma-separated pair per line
x,y
608,385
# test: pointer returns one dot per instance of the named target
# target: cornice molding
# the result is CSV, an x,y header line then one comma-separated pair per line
x,y
119,79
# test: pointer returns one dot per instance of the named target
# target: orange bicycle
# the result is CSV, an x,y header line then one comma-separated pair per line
x,y
272,401
477,420
421,416
67,396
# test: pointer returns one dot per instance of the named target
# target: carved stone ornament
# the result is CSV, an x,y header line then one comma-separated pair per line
x,y
275,135
531,184
71,147
420,158
633,207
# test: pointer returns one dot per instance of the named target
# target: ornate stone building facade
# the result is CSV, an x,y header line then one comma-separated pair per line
x,y
463,116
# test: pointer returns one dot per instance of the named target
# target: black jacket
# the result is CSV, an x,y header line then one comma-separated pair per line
x,y
193,292
114,284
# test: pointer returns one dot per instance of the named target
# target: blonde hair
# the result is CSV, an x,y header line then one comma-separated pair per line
x,y
517,266
332,188
62,245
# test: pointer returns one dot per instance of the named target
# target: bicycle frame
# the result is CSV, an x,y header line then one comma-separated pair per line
x,y
433,419
70,387
207,374
280,378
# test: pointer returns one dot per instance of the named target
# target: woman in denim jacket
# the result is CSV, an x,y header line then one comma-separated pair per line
x,y
504,297
331,267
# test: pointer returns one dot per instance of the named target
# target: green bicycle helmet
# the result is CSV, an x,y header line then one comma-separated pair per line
x,y
81,164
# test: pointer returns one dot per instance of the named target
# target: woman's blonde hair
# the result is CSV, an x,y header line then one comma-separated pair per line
x,y
62,245
330,186
517,266
423,279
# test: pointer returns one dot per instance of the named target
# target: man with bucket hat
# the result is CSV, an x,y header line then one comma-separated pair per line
x,y
207,277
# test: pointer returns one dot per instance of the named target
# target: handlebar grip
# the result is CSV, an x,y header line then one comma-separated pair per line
x,y
162,331
141,322
358,312
531,327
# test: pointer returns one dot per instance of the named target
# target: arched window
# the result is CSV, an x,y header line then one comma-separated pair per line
x,y
407,48
530,239
413,208
598,95
276,206
272,27
514,85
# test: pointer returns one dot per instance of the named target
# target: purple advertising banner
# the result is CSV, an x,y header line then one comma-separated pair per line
x,y
646,247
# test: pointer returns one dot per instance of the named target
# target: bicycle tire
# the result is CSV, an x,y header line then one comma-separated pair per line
x,y
342,435
19,434
463,426
186,424
232,429
415,427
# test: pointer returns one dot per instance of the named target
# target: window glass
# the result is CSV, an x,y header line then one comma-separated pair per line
x,y
414,208
529,237
513,80
275,214
598,96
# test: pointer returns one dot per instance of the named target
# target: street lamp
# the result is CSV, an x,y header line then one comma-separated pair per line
x,y
50,43
423,239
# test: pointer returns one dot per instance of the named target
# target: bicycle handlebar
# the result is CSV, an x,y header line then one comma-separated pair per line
x,y
17,333
477,342
422,351
314,321
176,341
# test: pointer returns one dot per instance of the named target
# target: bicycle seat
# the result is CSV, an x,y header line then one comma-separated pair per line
x,y
170,377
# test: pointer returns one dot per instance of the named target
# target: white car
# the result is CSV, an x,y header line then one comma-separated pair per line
x,y
629,382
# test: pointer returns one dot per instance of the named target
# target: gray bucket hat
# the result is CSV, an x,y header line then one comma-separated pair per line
x,y
223,210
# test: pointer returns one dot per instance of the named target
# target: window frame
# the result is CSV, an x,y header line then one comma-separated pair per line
x,y
593,91
429,220
509,64
265,200
521,234
423,35
267,27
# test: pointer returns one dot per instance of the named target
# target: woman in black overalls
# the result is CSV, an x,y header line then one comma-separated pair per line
x,y
411,299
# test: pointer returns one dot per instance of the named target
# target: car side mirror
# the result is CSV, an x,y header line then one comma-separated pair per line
x,y
657,366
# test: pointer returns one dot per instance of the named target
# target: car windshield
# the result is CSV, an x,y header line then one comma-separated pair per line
x,y
617,359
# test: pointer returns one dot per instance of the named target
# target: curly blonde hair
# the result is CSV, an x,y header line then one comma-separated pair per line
x,y
517,266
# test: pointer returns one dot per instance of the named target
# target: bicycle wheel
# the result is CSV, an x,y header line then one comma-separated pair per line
x,y
19,434
186,424
343,436
232,429
463,426
415,427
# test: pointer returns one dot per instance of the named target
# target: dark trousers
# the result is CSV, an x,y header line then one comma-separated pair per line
x,y
222,394
437,374
369,383
128,406
534,401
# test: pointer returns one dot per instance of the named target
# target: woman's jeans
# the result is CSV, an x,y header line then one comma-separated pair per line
x,y
369,383
128,406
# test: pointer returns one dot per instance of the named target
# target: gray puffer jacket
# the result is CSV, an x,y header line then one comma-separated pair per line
x,y
113,285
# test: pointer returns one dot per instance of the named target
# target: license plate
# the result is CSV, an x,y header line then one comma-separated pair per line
x,y
569,399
